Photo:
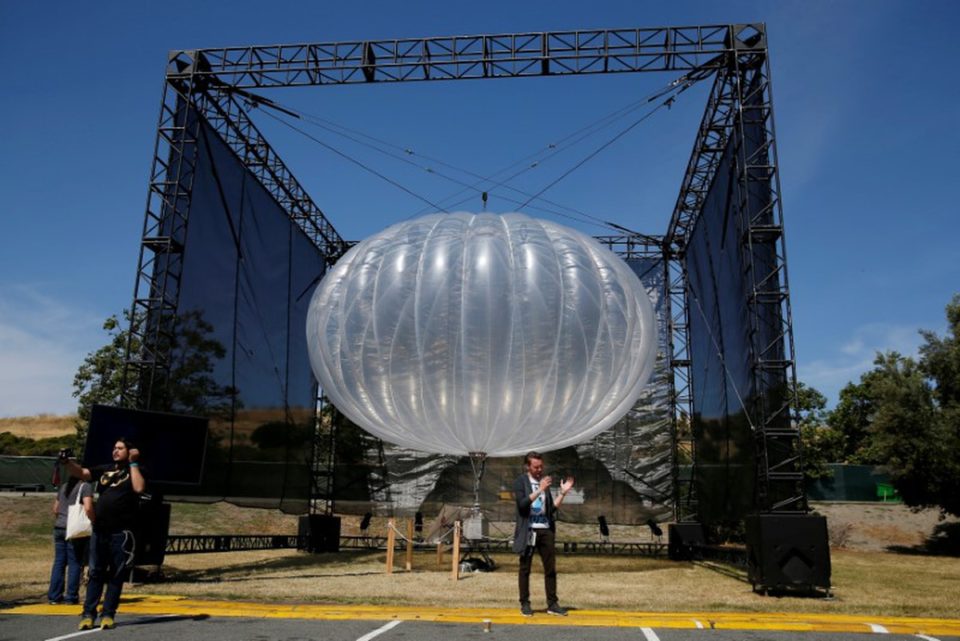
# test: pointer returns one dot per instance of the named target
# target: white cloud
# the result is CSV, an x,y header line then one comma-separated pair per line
x,y
42,342
856,355
853,348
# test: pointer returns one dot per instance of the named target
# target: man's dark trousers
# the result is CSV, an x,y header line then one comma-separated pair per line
x,y
111,554
545,547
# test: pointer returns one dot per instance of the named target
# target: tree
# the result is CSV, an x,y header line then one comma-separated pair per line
x,y
11,445
811,406
99,379
940,363
192,388
940,360
905,416
820,442
851,420
903,428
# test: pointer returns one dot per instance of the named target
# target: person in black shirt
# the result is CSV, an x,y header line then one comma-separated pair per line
x,y
112,544
536,530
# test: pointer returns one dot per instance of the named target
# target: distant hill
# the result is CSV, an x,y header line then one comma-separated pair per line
x,y
39,426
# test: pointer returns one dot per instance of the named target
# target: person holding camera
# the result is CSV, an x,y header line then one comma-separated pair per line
x,y
536,529
68,556
112,545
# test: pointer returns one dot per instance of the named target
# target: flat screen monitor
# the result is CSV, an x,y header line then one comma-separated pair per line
x,y
172,446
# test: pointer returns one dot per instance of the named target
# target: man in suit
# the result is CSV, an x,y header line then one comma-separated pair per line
x,y
536,529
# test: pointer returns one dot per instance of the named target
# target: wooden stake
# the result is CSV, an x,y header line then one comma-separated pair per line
x,y
409,546
440,553
455,571
391,541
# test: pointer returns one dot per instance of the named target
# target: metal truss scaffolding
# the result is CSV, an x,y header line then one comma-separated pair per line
x,y
465,57
211,85
741,105
780,477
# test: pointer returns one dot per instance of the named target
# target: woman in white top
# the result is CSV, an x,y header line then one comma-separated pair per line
x,y
68,556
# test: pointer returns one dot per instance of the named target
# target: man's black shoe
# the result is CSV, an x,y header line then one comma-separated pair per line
x,y
557,609
526,610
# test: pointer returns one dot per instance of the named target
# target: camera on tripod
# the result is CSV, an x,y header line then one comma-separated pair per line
x,y
65,453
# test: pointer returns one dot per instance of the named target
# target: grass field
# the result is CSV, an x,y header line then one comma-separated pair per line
x,y
865,582
39,426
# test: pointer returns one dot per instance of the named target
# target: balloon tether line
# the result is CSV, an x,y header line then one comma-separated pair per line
x,y
477,461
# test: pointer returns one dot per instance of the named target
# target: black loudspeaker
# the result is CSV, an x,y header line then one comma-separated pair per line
x,y
788,552
417,524
319,533
153,525
655,528
604,528
684,541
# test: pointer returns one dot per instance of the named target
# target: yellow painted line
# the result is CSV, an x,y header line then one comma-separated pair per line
x,y
800,622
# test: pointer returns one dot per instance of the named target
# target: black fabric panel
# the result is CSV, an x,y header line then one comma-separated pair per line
x,y
248,273
724,266
721,353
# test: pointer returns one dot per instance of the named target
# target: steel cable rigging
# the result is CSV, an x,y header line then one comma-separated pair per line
x,y
483,184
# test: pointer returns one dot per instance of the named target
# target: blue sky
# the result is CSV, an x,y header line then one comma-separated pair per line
x,y
866,98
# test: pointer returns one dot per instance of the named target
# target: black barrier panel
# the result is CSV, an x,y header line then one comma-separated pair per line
x,y
247,278
721,353
172,446
731,259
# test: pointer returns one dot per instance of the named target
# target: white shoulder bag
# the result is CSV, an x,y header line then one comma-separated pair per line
x,y
78,523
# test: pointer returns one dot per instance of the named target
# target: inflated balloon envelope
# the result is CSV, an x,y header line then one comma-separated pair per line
x,y
481,334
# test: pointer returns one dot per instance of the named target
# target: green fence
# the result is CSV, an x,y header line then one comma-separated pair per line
x,y
27,473
854,483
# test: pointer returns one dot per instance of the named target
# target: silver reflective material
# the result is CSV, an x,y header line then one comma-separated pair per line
x,y
459,333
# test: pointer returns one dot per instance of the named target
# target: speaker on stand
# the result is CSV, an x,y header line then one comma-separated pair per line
x,y
150,536
788,552
319,533
684,541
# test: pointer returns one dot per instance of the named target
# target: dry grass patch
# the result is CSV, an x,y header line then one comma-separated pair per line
x,y
25,572
865,582
876,526
40,426
224,518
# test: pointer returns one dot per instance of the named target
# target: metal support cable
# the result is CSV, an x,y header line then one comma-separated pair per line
x,y
666,103
682,82
723,362
671,89
467,186
357,162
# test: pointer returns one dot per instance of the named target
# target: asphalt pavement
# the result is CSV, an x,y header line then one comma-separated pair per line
x,y
144,618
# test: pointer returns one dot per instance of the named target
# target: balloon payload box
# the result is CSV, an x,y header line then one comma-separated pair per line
x,y
475,527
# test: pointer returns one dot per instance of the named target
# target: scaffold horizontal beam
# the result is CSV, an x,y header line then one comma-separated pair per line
x,y
469,56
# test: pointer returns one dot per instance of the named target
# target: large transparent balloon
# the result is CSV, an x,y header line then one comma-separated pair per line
x,y
462,333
